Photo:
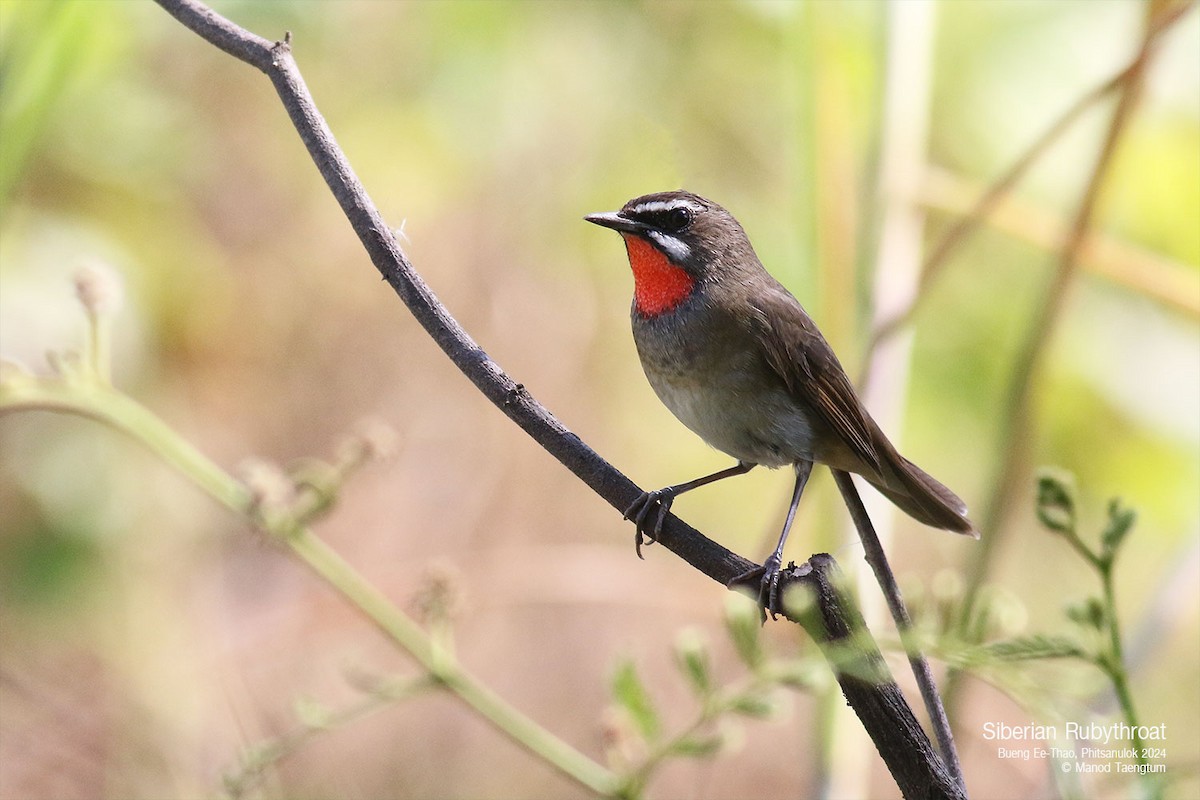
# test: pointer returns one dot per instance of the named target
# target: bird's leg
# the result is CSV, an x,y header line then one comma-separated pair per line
x,y
639,511
768,574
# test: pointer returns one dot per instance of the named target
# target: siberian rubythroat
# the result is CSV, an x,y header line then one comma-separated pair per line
x,y
738,360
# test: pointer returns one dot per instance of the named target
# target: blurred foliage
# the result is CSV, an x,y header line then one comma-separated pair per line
x,y
639,748
484,130
995,647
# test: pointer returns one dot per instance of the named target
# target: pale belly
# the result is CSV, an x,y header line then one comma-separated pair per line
x,y
721,388
755,424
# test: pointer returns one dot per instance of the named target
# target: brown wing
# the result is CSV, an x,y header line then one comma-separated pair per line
x,y
797,351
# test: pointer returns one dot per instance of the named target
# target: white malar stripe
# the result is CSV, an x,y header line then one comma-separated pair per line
x,y
675,249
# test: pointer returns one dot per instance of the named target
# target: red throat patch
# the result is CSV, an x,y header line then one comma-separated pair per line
x,y
658,285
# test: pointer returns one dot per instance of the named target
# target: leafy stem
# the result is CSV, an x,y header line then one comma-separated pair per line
x,y
754,695
80,385
1056,510
314,720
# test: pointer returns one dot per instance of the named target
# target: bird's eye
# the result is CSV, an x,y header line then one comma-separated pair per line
x,y
678,218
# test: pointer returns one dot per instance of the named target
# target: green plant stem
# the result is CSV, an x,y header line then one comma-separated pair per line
x,y
324,561
270,751
100,347
80,394
99,401
1080,546
1109,656
1114,666
1115,663
719,703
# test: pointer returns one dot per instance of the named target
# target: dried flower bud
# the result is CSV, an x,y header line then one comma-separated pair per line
x,y
620,737
98,288
372,440
270,488
440,597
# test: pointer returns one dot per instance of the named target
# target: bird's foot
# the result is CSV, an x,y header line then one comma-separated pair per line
x,y
765,581
647,521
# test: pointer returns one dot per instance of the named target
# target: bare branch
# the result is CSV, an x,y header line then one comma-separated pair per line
x,y
276,61
879,703
868,685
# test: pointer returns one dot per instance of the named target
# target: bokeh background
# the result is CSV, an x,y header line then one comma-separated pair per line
x,y
149,637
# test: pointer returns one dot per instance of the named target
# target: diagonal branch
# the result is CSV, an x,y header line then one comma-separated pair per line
x,y
878,702
275,60
837,626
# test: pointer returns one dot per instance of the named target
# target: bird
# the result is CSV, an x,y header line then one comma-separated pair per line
x,y
736,358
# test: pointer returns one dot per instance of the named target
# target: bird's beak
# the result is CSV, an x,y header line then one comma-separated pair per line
x,y
616,221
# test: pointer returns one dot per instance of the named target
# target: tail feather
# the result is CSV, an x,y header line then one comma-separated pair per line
x,y
922,497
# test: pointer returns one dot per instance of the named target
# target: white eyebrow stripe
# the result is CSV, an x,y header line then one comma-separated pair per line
x,y
661,205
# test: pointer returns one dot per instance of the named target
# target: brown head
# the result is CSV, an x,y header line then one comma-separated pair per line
x,y
678,241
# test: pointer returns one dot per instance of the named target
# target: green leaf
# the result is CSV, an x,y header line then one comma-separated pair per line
x,y
1056,500
698,746
1090,613
691,654
1120,522
1028,648
755,704
742,620
630,693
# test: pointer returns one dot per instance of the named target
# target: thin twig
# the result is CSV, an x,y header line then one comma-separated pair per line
x,y
891,593
264,754
867,683
966,225
1015,429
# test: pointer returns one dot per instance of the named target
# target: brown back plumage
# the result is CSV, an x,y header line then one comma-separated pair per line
x,y
797,351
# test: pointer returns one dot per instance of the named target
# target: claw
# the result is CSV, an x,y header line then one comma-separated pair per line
x,y
639,512
766,580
